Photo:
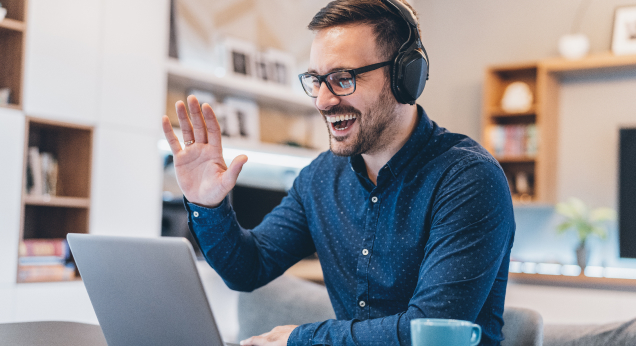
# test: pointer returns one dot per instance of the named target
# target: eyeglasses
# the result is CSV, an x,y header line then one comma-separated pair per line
x,y
340,83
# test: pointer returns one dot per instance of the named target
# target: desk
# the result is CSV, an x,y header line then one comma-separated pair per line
x,y
51,333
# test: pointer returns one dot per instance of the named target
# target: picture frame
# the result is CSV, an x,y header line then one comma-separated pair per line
x,y
624,32
236,57
261,67
243,119
281,66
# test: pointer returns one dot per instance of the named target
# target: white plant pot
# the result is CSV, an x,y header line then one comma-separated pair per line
x,y
574,46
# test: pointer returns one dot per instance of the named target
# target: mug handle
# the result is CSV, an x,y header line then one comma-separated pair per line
x,y
476,336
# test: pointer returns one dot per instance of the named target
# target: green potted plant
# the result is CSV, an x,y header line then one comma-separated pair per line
x,y
585,222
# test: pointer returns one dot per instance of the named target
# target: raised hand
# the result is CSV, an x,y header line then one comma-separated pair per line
x,y
201,171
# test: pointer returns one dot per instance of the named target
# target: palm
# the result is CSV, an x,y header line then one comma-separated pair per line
x,y
201,171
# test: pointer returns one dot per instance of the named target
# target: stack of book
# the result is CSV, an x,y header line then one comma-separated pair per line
x,y
42,172
45,260
509,141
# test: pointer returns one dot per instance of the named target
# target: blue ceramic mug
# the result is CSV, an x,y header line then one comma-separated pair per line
x,y
441,332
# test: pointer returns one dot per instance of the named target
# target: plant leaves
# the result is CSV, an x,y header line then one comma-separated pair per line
x,y
564,226
599,232
603,214
573,208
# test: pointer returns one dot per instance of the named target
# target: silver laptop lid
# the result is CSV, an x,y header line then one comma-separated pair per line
x,y
145,291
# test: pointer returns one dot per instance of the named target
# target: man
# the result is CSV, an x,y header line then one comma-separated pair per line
x,y
408,220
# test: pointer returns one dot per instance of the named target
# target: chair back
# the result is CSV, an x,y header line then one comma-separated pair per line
x,y
286,300
522,327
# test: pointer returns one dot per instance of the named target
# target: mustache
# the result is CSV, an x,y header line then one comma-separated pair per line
x,y
340,110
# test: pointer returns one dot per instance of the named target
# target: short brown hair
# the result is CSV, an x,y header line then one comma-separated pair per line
x,y
391,31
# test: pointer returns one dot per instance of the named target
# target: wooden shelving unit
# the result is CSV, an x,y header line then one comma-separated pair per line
x,y
67,209
12,43
497,80
543,78
182,77
580,281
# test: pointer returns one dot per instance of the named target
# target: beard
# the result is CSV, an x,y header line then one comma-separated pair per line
x,y
375,127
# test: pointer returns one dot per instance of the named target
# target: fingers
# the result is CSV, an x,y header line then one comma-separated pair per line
x,y
171,137
230,176
184,122
200,133
246,341
213,128
255,340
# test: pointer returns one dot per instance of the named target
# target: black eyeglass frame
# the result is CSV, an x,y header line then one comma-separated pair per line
x,y
353,72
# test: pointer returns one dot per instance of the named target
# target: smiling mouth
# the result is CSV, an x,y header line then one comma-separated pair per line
x,y
341,122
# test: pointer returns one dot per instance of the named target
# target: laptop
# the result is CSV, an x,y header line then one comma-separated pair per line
x,y
145,291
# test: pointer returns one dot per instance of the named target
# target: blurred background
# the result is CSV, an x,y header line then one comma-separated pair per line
x,y
83,86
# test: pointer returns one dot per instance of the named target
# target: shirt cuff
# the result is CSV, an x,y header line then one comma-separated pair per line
x,y
203,216
302,335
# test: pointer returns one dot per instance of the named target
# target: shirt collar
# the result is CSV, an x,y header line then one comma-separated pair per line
x,y
420,136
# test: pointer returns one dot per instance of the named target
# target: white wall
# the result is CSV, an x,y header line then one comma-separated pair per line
x,y
591,112
100,63
463,38
62,60
11,156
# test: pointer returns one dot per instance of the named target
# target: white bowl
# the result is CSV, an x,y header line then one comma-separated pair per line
x,y
574,46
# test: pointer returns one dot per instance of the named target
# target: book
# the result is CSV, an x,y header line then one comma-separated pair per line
x,y
42,173
41,260
532,140
39,273
49,173
507,141
35,167
57,247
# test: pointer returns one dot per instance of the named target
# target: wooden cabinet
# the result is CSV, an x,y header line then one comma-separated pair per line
x,y
65,207
12,39
537,171
513,136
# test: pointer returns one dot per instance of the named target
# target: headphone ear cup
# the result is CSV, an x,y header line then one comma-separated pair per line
x,y
412,76
408,77
414,73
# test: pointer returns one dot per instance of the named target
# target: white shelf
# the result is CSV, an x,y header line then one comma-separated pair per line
x,y
269,166
266,94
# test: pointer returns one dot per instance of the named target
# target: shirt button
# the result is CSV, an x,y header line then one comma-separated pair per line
x,y
362,304
365,252
374,199
196,214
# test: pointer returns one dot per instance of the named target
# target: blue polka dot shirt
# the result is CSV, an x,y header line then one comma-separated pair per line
x,y
431,240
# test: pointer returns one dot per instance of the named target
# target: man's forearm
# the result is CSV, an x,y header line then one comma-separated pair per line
x,y
248,259
228,248
389,330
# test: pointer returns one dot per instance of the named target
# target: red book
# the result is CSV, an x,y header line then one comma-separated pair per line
x,y
44,247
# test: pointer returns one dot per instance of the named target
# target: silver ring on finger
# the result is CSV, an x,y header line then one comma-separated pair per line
x,y
189,142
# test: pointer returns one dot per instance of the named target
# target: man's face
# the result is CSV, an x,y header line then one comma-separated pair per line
x,y
371,107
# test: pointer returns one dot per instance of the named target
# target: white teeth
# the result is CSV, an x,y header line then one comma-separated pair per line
x,y
336,118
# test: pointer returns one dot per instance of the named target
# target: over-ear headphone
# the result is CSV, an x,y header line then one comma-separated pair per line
x,y
409,72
